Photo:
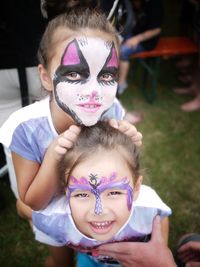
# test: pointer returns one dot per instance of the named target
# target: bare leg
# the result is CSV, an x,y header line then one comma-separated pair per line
x,y
192,105
60,257
133,117
184,90
123,71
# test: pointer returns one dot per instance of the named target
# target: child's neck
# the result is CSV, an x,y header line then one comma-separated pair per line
x,y
61,120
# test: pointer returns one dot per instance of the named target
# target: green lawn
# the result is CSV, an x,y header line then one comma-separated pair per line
x,y
170,159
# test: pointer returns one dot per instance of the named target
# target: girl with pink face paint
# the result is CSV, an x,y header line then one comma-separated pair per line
x,y
104,201
79,68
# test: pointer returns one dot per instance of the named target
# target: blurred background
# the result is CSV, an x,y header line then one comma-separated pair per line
x,y
170,156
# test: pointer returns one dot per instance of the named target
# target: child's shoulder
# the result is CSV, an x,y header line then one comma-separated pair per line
x,y
148,197
23,115
116,111
33,110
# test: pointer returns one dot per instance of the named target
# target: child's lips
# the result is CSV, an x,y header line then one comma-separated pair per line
x,y
90,107
101,227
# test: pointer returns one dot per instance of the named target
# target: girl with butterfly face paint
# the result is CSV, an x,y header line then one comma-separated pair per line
x,y
79,68
104,201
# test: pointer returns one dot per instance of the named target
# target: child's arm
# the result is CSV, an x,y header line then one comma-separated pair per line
x,y
127,128
37,184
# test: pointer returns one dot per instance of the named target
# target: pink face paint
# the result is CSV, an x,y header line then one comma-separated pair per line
x,y
85,83
113,62
92,97
97,186
71,56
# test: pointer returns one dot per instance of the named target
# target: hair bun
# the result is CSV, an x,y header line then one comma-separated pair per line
x,y
53,8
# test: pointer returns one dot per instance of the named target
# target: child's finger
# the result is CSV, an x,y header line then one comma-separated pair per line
x,y
137,138
130,130
113,123
138,143
65,142
60,150
124,126
75,129
72,133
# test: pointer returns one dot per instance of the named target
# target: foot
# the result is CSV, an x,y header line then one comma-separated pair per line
x,y
185,78
122,87
133,117
192,105
183,90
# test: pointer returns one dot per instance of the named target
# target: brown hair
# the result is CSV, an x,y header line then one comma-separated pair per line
x,y
95,138
73,20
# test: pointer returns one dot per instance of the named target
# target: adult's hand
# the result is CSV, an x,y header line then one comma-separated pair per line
x,y
154,253
192,264
190,253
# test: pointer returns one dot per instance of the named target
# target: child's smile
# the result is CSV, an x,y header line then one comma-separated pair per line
x,y
100,193
101,227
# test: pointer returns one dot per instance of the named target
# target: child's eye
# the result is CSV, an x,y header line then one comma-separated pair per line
x,y
73,76
81,195
106,77
115,193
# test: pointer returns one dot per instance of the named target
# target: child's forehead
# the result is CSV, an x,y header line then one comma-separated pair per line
x,y
98,163
85,38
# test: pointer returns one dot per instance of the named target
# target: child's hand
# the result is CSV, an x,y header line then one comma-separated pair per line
x,y
66,140
129,129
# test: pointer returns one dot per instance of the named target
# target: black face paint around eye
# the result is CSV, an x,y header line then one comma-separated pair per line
x,y
72,73
72,61
85,82
109,71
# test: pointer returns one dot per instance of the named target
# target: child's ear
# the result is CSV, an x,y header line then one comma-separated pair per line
x,y
45,78
137,187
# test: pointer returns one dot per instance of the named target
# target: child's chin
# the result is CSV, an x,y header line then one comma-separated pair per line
x,y
90,121
103,238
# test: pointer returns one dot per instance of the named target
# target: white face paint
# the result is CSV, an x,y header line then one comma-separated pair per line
x,y
85,83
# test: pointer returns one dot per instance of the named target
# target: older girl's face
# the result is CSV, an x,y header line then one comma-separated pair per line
x,y
85,73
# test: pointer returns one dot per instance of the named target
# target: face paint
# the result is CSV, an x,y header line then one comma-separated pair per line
x,y
97,186
85,83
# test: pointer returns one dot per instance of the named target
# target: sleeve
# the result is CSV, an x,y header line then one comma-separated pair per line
x,y
115,112
53,221
17,136
20,144
154,10
55,226
145,208
148,198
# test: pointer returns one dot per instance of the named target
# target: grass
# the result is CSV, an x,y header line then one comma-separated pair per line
x,y
171,150
170,158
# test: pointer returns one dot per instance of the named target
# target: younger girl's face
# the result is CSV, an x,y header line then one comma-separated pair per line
x,y
85,81
100,193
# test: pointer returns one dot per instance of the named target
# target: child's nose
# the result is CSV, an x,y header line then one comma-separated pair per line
x,y
93,95
92,88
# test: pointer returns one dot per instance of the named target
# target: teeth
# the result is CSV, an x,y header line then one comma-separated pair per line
x,y
90,106
101,225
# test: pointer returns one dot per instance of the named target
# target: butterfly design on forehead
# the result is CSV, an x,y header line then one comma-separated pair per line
x,y
97,186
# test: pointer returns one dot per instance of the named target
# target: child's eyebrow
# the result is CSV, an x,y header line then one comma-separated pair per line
x,y
82,41
108,44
